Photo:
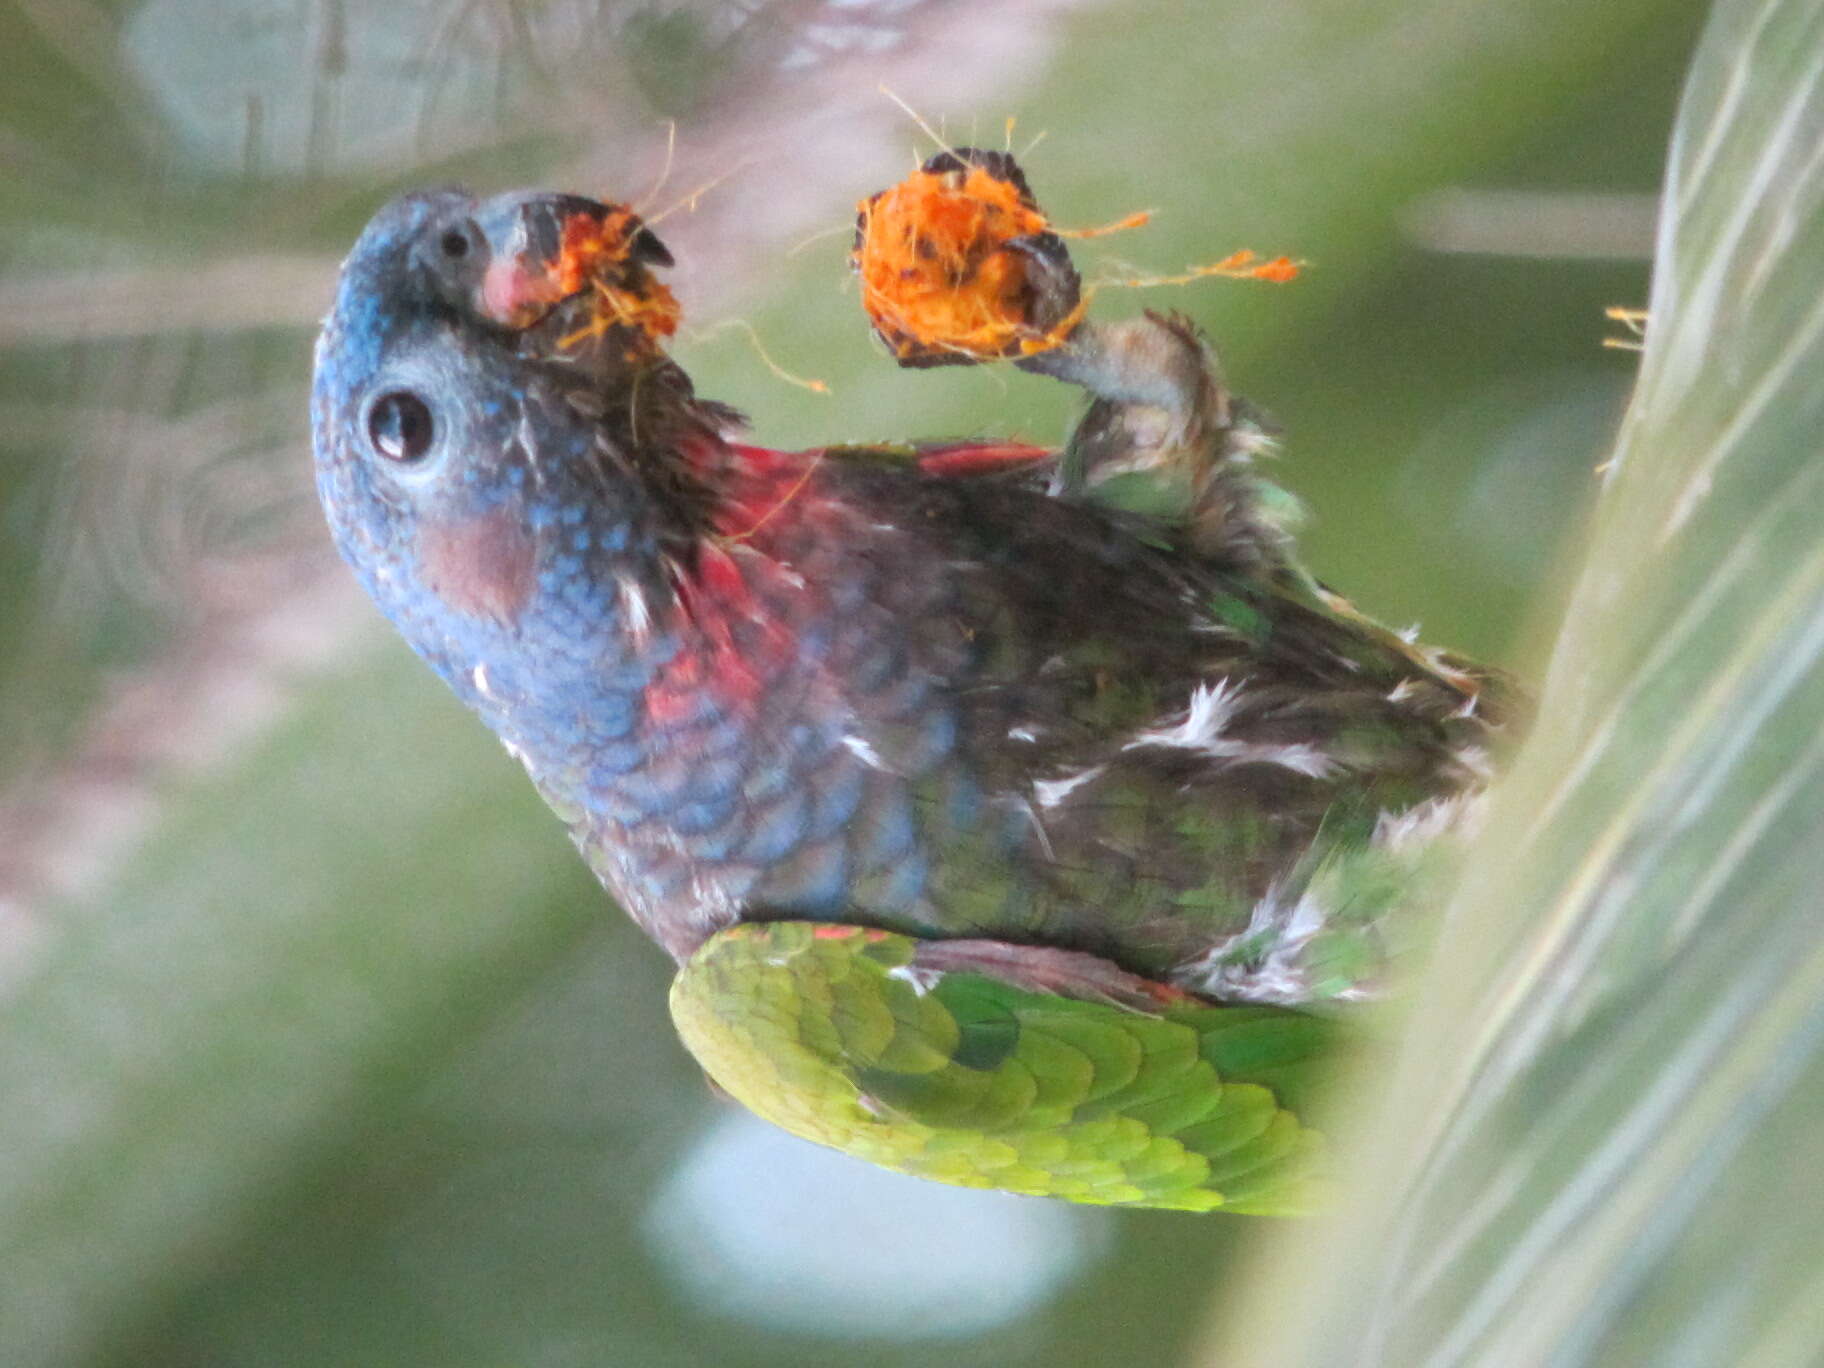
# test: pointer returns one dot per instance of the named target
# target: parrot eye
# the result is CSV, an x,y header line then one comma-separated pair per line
x,y
455,244
399,426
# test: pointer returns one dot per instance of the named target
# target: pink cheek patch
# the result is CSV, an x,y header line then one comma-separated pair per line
x,y
515,297
484,567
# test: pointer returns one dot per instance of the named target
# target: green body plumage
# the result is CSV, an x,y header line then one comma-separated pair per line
x,y
838,1035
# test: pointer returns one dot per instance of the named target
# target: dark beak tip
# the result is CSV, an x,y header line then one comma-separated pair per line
x,y
648,248
539,254
529,225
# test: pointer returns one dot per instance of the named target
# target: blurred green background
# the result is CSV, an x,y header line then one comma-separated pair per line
x,y
317,1045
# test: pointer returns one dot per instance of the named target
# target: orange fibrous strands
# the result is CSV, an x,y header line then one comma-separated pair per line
x,y
935,274
595,255
1242,265
1138,219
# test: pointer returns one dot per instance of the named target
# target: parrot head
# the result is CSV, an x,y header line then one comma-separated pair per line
x,y
502,446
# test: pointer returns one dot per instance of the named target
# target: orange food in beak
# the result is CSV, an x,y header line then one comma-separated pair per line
x,y
597,255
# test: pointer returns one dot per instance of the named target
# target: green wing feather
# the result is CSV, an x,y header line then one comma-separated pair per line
x,y
837,1034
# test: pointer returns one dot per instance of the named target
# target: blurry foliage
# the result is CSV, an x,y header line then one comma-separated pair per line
x,y
348,1061
1602,1146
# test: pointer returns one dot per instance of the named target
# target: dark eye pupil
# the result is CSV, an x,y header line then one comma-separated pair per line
x,y
455,244
399,425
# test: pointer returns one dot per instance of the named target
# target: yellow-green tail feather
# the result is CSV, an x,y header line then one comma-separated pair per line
x,y
836,1034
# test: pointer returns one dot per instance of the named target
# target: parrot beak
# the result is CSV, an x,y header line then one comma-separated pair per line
x,y
544,248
